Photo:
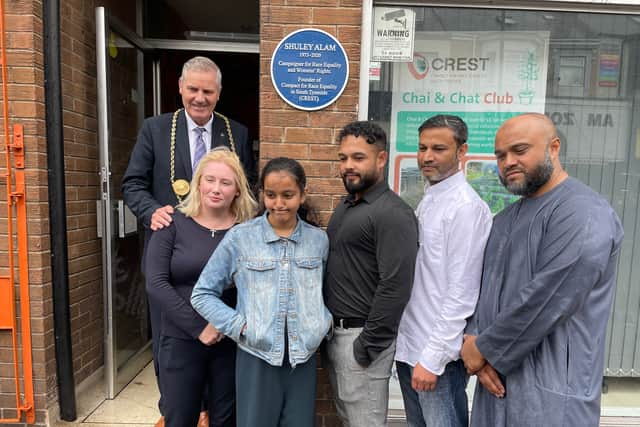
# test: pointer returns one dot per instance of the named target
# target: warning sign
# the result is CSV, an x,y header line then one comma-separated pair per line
x,y
393,34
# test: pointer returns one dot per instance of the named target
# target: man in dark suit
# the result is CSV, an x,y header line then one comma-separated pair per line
x,y
166,153
160,167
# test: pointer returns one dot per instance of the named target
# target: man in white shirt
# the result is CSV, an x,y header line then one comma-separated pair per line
x,y
454,226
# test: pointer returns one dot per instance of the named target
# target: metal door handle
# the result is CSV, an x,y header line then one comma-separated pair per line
x,y
127,222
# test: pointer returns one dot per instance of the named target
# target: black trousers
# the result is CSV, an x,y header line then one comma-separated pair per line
x,y
186,367
155,316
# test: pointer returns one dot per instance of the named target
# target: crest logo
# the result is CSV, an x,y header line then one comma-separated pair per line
x,y
419,68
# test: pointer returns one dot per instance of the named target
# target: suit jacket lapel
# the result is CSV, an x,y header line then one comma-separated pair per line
x,y
219,133
183,153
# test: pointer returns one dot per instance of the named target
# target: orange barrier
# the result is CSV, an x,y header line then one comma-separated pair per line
x,y
16,200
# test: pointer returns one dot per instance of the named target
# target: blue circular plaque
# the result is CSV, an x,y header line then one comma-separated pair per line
x,y
309,69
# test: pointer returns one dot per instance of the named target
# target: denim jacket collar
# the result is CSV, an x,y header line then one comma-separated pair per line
x,y
270,236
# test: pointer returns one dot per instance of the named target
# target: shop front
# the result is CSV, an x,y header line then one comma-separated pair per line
x,y
576,63
485,61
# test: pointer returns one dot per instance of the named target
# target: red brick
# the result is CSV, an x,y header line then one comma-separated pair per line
x,y
23,40
317,169
271,100
267,47
321,202
289,28
16,23
347,103
17,74
351,3
337,16
26,109
295,151
285,118
325,185
308,135
323,152
353,52
349,33
272,32
22,7
332,119
284,15
325,406
315,3
271,133
324,217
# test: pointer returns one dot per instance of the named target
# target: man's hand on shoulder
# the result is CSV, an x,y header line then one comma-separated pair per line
x,y
423,379
161,217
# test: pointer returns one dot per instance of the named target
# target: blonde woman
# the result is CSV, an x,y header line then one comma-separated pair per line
x,y
192,353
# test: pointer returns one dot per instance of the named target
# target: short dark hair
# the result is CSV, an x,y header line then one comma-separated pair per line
x,y
370,131
455,123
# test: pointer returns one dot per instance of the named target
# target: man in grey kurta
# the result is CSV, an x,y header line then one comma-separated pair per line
x,y
537,337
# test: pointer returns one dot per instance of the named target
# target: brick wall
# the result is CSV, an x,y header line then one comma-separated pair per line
x,y
25,78
310,136
26,95
79,99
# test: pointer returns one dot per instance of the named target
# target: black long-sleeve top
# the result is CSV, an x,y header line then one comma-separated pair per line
x,y
373,244
175,257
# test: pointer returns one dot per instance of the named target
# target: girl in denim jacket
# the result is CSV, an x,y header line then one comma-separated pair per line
x,y
276,262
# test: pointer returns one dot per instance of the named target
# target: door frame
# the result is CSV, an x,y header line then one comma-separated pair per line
x,y
106,224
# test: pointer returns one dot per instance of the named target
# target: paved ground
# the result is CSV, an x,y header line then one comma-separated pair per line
x,y
135,406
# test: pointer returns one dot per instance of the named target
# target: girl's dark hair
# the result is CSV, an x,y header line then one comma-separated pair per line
x,y
295,169
285,164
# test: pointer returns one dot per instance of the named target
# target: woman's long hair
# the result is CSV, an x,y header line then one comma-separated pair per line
x,y
243,206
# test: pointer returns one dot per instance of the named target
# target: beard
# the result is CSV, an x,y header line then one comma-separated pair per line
x,y
366,181
533,180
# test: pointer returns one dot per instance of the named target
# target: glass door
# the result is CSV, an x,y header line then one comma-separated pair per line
x,y
121,100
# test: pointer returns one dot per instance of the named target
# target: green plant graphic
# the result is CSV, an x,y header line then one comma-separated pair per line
x,y
528,73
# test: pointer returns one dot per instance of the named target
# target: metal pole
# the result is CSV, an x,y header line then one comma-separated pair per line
x,y
57,209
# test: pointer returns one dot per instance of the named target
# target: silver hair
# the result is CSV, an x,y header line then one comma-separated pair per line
x,y
200,63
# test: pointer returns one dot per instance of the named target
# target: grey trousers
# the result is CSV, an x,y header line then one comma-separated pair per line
x,y
361,394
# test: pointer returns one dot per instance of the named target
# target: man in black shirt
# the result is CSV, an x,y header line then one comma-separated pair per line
x,y
373,238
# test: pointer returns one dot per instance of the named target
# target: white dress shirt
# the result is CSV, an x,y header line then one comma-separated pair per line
x,y
193,134
454,227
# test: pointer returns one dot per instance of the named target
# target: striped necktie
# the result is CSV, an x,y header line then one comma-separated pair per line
x,y
201,148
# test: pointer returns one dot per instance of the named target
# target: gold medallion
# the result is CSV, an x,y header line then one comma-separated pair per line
x,y
180,187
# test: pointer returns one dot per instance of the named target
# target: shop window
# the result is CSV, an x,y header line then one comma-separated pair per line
x,y
572,71
487,65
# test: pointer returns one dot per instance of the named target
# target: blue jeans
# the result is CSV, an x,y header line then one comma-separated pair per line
x,y
446,406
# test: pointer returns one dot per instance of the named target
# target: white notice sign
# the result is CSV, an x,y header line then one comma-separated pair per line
x,y
393,34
